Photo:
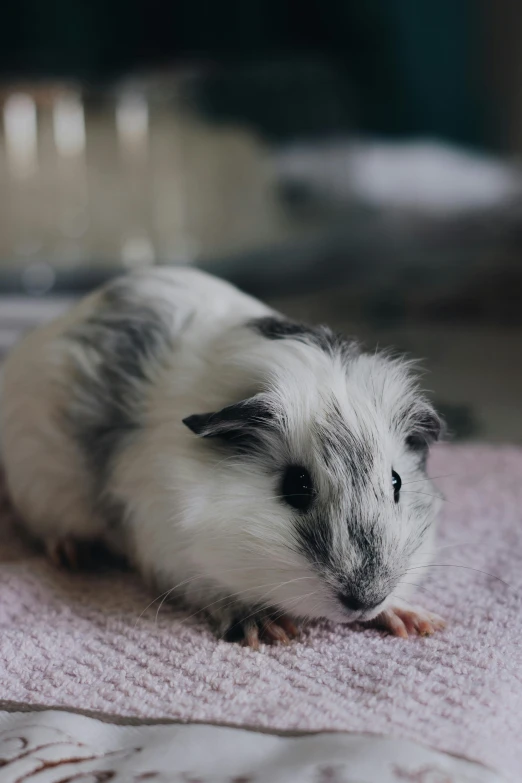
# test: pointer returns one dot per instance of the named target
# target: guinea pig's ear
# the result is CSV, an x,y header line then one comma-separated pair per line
x,y
233,422
426,428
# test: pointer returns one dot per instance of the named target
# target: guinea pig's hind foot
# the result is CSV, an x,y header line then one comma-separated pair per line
x,y
261,628
63,552
75,554
402,619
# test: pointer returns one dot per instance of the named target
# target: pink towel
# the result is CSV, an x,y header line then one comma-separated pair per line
x,y
82,642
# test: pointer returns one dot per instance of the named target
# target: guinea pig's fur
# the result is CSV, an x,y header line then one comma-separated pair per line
x,y
171,417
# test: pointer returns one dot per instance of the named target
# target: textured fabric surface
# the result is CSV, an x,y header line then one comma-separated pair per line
x,y
82,642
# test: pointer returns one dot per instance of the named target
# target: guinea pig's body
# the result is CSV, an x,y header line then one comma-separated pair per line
x,y
288,503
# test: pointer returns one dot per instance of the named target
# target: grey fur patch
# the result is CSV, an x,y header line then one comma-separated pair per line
x,y
428,429
121,341
350,458
274,328
314,533
241,426
340,445
244,417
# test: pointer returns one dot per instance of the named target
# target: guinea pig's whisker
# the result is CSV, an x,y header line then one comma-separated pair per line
x,y
429,478
313,608
221,600
445,475
273,585
456,565
201,576
446,546
293,602
166,592
270,497
165,596
191,579
277,557
428,494
406,600
232,458
419,587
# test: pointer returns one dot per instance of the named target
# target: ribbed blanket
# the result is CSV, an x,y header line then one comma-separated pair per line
x,y
87,641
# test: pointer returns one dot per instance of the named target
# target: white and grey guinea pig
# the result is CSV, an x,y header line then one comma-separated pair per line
x,y
255,467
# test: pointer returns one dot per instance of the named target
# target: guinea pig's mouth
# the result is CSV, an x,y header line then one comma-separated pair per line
x,y
356,610
371,614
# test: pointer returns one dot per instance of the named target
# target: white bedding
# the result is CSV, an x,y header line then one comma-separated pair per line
x,y
60,747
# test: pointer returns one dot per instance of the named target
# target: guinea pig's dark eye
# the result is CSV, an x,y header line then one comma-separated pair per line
x,y
298,490
396,484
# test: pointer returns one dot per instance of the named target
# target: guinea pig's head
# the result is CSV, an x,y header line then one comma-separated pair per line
x,y
317,495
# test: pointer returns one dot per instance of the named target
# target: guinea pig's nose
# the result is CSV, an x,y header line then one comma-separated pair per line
x,y
355,604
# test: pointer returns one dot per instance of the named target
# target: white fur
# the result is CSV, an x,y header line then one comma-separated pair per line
x,y
207,521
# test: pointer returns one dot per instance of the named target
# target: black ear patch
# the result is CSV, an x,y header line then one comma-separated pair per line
x,y
240,423
276,328
427,428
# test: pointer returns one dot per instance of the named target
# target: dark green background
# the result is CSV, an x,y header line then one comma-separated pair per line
x,y
390,67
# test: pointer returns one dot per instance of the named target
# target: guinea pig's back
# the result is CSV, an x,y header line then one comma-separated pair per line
x,y
83,374
43,470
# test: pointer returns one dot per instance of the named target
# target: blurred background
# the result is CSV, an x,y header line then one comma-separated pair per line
x,y
351,162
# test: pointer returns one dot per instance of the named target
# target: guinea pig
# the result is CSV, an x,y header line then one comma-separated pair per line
x,y
260,470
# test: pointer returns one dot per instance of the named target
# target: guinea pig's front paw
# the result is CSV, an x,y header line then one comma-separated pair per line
x,y
262,627
401,619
